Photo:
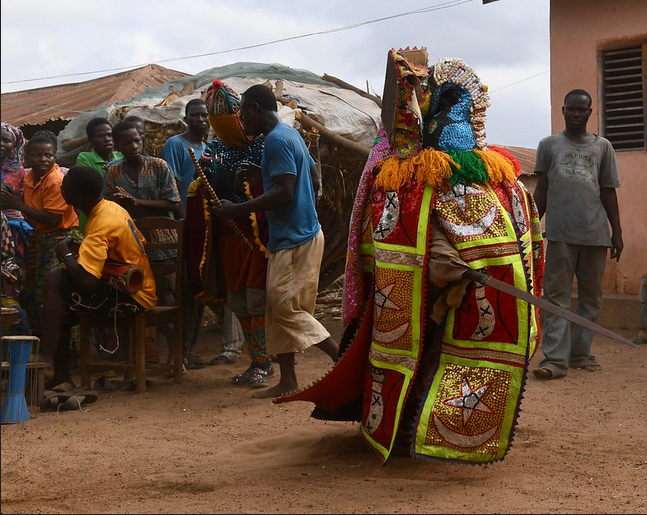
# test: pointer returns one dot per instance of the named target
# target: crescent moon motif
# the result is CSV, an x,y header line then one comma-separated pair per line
x,y
365,223
486,315
518,214
472,229
461,439
389,336
389,218
376,410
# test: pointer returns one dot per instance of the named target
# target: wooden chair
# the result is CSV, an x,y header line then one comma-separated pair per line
x,y
137,326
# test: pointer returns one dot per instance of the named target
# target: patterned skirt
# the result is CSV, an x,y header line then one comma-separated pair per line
x,y
41,259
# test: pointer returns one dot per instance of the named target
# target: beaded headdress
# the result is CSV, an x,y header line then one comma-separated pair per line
x,y
434,118
459,102
223,106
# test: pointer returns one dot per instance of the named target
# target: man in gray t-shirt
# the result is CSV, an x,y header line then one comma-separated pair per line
x,y
576,180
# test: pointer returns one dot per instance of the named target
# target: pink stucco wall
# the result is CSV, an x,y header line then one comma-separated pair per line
x,y
578,30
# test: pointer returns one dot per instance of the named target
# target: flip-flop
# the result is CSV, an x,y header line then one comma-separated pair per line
x,y
78,399
222,359
52,399
65,386
70,400
49,401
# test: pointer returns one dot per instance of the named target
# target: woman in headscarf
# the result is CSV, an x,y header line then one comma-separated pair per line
x,y
13,181
12,142
242,268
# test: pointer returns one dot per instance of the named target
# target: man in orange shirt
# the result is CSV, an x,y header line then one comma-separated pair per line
x,y
51,217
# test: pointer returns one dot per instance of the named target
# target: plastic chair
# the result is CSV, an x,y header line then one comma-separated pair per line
x,y
135,365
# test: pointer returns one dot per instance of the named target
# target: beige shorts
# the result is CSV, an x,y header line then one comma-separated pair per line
x,y
292,282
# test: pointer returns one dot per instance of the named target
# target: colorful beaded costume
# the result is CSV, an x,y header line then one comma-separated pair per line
x,y
429,374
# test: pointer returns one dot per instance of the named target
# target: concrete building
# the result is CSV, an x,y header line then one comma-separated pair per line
x,y
601,46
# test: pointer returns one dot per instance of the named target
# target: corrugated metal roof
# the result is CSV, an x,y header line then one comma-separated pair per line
x,y
67,101
525,156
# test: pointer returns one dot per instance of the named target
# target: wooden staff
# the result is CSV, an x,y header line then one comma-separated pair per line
x,y
215,198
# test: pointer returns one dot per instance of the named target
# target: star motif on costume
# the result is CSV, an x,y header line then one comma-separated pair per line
x,y
459,193
382,300
469,400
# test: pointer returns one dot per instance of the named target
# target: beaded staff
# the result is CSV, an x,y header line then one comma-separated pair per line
x,y
215,198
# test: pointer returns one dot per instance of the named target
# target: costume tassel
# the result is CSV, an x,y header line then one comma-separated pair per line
x,y
432,167
252,217
472,169
509,157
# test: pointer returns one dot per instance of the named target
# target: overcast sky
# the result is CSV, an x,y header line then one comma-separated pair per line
x,y
506,42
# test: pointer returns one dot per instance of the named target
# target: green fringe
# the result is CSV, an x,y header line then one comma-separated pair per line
x,y
472,169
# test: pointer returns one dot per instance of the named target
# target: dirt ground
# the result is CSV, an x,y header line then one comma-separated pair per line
x,y
206,446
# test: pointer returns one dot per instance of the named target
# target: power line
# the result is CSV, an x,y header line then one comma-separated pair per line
x,y
80,112
446,5
520,81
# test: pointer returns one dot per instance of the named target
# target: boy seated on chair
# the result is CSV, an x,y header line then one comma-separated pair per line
x,y
145,186
110,235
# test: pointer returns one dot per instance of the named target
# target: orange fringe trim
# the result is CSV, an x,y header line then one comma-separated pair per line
x,y
499,168
252,217
434,167
207,217
509,156
430,166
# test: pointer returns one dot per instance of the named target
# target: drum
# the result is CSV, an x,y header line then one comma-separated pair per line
x,y
14,405
10,320
123,276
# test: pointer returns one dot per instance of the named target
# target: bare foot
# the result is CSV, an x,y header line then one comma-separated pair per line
x,y
594,367
275,391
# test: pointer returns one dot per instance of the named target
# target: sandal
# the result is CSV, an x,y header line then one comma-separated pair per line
x,y
55,385
591,368
222,359
192,361
54,400
77,400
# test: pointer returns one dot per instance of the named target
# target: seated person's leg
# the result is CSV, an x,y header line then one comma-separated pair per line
x,y
166,297
53,319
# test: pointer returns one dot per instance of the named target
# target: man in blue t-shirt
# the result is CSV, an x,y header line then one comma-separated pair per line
x,y
175,150
176,153
296,241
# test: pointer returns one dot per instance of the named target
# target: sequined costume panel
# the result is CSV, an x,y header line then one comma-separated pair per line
x,y
400,221
471,407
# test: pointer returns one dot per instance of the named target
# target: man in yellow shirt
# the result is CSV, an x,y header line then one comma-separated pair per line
x,y
110,235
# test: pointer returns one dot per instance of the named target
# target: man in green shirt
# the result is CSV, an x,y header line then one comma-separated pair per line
x,y
99,132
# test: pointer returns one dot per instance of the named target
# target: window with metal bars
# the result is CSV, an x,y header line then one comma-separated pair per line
x,y
624,94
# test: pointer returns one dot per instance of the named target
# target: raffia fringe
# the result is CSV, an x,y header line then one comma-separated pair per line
x,y
207,219
252,217
435,167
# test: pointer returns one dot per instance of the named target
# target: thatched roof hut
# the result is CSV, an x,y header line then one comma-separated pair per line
x,y
338,118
